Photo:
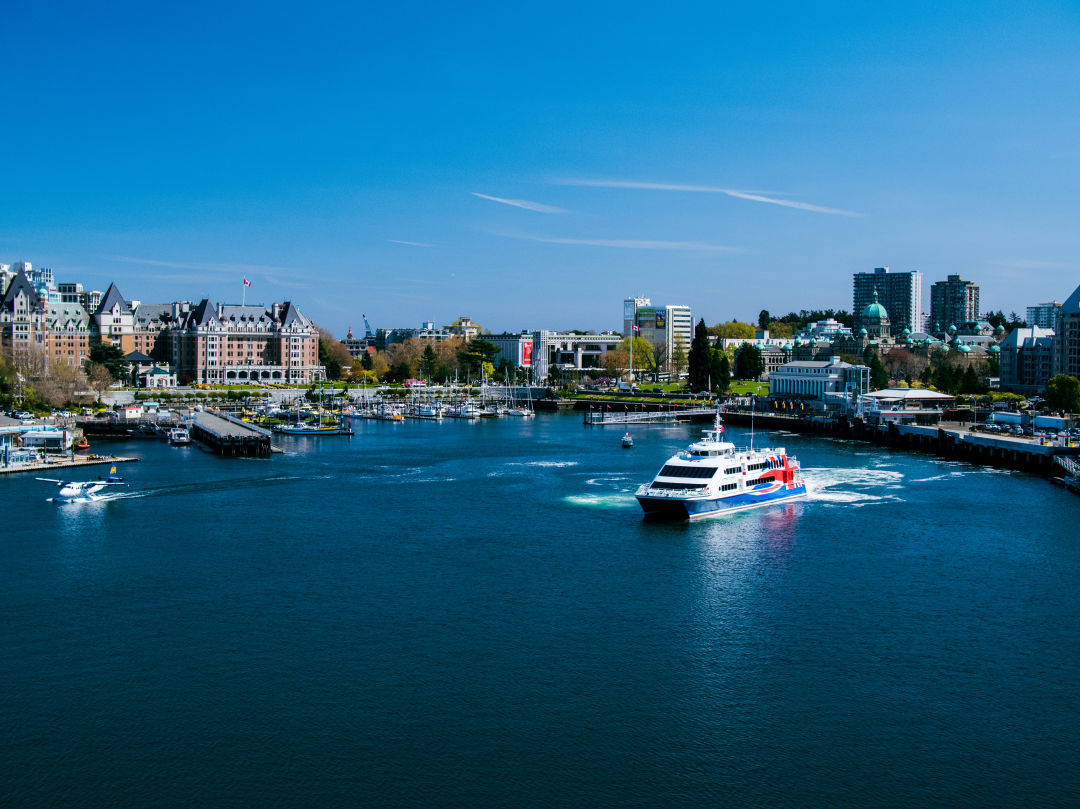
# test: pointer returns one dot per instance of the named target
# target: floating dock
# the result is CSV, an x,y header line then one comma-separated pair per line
x,y
66,462
229,436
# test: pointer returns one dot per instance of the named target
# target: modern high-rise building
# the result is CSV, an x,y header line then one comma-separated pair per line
x,y
1043,315
899,292
629,312
665,326
953,302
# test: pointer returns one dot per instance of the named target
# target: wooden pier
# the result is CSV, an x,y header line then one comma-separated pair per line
x,y
607,415
229,436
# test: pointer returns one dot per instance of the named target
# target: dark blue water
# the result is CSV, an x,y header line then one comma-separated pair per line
x,y
474,615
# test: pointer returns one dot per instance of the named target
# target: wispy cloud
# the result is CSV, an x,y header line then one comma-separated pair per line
x,y
539,207
631,244
1029,264
204,266
754,196
410,244
287,283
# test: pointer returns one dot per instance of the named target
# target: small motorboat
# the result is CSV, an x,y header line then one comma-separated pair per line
x,y
80,443
627,441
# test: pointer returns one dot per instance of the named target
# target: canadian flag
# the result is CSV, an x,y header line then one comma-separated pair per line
x,y
635,329
247,283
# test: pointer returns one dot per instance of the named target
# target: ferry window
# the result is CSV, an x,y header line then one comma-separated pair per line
x,y
666,485
670,471
733,470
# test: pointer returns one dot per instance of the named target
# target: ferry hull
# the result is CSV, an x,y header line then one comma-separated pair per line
x,y
669,508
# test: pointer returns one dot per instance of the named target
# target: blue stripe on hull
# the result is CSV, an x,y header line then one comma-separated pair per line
x,y
697,509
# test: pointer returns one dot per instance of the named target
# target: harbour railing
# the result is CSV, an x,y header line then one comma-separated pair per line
x,y
1069,464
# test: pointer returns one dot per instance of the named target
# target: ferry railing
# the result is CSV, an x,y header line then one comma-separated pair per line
x,y
649,489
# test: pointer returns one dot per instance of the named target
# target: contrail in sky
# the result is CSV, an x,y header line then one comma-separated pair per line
x,y
705,189
539,207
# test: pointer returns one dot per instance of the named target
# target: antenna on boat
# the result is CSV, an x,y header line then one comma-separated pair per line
x,y
751,422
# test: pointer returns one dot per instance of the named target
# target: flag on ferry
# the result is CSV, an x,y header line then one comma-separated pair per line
x,y
247,283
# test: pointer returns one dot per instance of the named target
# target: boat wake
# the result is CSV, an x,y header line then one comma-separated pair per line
x,y
603,481
853,487
612,500
554,464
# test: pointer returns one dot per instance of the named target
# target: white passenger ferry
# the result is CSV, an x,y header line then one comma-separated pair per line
x,y
712,476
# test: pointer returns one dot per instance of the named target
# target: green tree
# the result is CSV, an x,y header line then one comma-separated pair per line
x,y
473,354
780,328
399,372
505,371
334,356
698,359
719,370
969,381
763,319
429,361
678,356
1063,393
111,358
733,330
748,362
879,377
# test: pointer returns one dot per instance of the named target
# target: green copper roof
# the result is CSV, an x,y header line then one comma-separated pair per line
x,y
875,310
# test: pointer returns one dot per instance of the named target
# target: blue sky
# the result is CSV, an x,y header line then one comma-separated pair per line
x,y
532,164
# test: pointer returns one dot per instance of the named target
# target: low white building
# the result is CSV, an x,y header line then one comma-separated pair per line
x,y
157,378
904,406
817,379
569,351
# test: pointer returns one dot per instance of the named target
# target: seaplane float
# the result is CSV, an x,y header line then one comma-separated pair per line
x,y
74,491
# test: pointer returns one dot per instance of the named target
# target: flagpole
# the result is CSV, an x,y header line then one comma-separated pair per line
x,y
243,295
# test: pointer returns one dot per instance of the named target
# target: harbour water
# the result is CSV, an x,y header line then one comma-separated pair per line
x,y
474,615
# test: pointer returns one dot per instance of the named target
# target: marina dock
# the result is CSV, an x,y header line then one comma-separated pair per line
x,y
65,462
229,436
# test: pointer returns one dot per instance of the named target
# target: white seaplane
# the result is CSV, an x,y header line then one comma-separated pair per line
x,y
83,490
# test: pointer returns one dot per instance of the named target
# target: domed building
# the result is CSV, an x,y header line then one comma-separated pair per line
x,y
875,320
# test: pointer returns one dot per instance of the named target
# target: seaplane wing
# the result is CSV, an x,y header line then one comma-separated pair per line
x,y
52,480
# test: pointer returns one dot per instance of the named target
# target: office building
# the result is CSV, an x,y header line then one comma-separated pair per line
x,y
1043,315
953,302
514,346
662,326
899,292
